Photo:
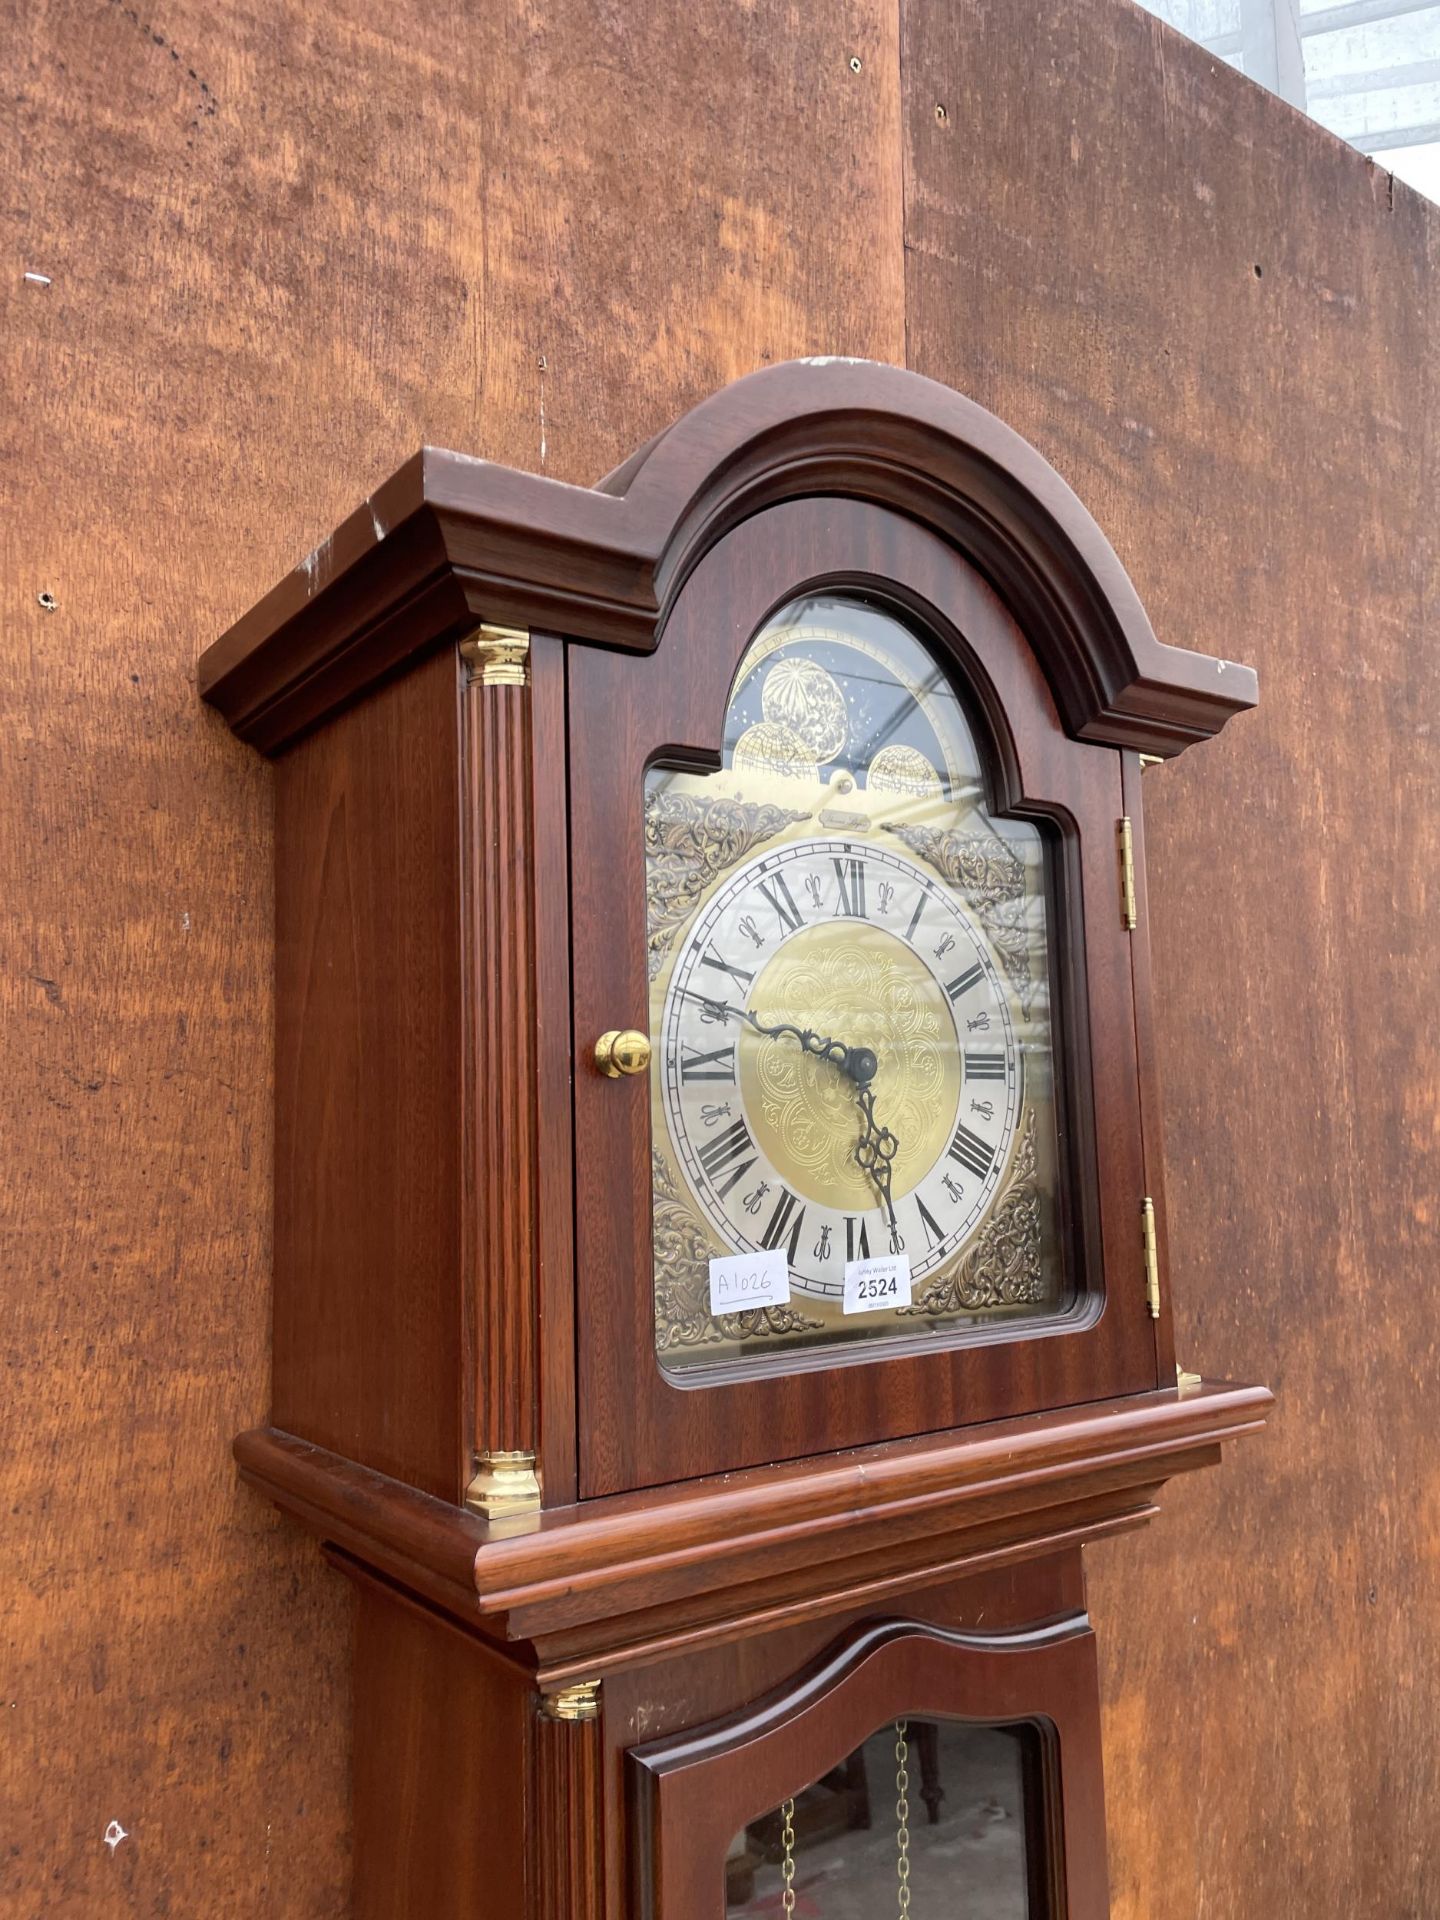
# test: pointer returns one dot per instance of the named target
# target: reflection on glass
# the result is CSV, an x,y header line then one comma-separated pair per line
x,y
850,966
927,1817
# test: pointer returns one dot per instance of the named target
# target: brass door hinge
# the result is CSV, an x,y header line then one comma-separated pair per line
x,y
1129,918
1152,1257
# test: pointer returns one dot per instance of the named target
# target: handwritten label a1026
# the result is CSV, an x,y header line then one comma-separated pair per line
x,y
873,1285
740,1281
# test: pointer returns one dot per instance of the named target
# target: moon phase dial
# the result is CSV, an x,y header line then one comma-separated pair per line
x,y
841,1076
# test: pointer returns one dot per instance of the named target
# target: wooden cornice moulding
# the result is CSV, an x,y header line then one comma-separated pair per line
x,y
606,1580
449,540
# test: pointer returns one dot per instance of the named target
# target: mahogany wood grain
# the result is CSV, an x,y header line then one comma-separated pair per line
x,y
695,1791
688,1688
467,1795
554,1135
606,1581
636,1426
514,1107
497,1109
441,1799
569,1834
605,564
368,1170
643,1704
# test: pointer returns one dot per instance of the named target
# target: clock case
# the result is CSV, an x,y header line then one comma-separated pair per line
x,y
462,689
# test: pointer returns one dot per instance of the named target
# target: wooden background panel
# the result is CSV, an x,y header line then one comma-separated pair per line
x,y
284,246
1221,326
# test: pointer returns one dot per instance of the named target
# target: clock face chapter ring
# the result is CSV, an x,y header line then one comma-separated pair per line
x,y
815,975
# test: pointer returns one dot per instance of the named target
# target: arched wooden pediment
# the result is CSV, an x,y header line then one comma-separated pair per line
x,y
450,539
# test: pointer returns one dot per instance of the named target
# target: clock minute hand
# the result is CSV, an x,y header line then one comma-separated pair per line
x,y
878,1147
859,1063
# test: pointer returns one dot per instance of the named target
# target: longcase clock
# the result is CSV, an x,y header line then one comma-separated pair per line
x,y
720,1233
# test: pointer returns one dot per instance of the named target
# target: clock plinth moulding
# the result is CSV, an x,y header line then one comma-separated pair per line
x,y
614,1612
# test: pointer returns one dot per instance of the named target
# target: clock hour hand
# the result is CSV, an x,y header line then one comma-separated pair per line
x,y
858,1062
878,1147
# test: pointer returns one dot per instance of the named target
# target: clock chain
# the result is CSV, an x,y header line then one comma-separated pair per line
x,y
902,1815
902,1831
787,1868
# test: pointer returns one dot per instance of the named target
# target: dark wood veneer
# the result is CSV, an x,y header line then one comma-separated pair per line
x,y
439,1829
640,1427
719,1558
368,1177
448,539
698,1789
515,1112
463,1204
569,1817
1152,1140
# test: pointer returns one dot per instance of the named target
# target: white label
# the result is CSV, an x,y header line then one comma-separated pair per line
x,y
871,1285
740,1281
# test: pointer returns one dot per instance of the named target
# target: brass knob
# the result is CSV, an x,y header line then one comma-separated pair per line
x,y
620,1052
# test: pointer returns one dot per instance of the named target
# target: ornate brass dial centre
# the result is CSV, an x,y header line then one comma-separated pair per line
x,y
867,988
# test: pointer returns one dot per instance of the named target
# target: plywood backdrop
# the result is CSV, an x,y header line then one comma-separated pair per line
x,y
274,248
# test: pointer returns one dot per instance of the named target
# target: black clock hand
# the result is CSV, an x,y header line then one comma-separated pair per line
x,y
878,1147
858,1062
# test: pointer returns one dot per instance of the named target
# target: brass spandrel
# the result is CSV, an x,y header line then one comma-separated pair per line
x,y
1003,1266
690,840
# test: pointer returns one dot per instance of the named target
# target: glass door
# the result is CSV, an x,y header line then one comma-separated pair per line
x,y
926,1817
911,1771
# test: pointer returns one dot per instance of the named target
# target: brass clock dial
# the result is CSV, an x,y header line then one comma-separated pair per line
x,y
841,1071
850,1008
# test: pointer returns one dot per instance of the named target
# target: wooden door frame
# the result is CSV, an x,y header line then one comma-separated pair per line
x,y
637,1425
691,1793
